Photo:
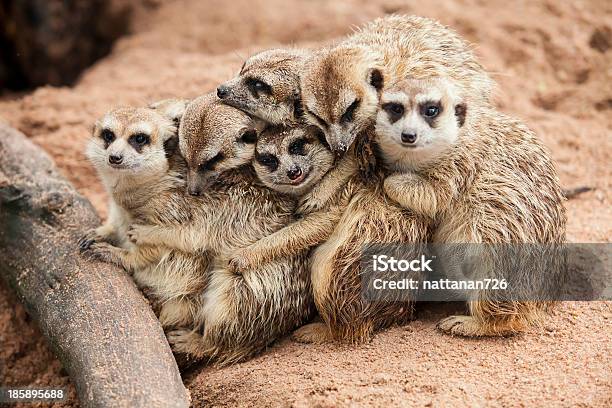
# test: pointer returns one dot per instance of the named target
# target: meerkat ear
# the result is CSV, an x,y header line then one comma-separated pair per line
x,y
376,79
321,136
170,146
298,110
249,136
171,109
460,113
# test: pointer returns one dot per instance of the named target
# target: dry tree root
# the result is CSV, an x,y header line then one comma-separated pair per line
x,y
91,313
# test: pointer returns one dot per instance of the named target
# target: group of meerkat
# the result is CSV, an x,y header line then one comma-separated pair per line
x,y
242,212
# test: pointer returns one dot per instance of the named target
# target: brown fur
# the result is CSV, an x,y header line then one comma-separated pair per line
x,y
278,69
394,47
323,193
495,184
171,277
238,314
336,268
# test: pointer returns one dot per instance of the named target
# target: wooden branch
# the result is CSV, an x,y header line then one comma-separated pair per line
x,y
93,316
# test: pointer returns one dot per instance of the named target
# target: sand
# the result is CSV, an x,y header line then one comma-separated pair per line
x,y
553,63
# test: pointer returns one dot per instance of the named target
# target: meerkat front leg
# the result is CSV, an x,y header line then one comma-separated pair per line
x,y
298,236
327,189
415,193
183,238
107,232
128,259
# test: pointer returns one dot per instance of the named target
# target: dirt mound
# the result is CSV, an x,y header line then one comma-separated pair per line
x,y
552,62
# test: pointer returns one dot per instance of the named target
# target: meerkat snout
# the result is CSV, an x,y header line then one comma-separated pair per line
x,y
222,91
294,173
115,159
409,137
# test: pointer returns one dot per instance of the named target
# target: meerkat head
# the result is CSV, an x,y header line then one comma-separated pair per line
x,y
267,86
172,109
340,93
418,120
292,160
132,141
214,138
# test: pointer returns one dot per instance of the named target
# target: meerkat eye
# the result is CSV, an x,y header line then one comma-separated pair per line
x,y
140,138
297,147
210,164
268,160
347,116
431,111
249,136
107,135
258,87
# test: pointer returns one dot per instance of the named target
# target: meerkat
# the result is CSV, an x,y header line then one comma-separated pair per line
x,y
268,86
297,162
134,153
239,314
479,177
341,85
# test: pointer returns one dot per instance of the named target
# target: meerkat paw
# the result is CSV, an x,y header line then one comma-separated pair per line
x,y
316,333
467,326
139,234
241,261
184,341
87,239
309,205
105,252
91,236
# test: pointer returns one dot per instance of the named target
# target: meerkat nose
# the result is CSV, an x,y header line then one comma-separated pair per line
x,y
409,138
294,173
115,159
222,91
194,191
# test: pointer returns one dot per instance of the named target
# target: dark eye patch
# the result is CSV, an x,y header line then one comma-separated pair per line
x,y
258,87
268,160
430,110
138,141
394,110
297,147
107,136
321,122
210,164
321,137
347,116
249,136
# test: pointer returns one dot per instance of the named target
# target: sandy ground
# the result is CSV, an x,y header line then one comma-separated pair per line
x,y
553,63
